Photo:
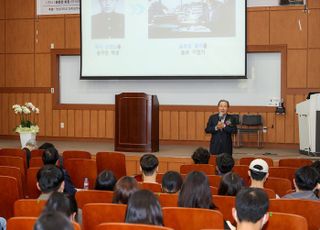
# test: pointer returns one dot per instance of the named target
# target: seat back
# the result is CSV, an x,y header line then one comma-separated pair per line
x,y
242,171
18,223
14,153
282,172
206,168
213,160
306,208
214,190
76,154
9,194
125,226
191,218
279,185
16,173
247,160
153,187
32,191
294,162
284,221
159,178
271,194
95,214
36,162
214,180
79,169
225,205
28,207
114,161
84,197
168,200
14,162
37,153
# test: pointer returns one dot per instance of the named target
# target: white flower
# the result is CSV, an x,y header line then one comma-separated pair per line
x,y
25,110
18,110
16,106
37,111
29,105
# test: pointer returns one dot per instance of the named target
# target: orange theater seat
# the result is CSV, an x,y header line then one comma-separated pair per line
x,y
214,180
225,205
125,226
282,172
294,162
36,153
207,169
84,197
36,162
32,191
14,162
14,153
113,161
9,194
271,194
247,160
242,171
76,154
98,213
16,173
159,178
279,185
153,187
214,190
21,223
285,221
191,218
168,200
28,207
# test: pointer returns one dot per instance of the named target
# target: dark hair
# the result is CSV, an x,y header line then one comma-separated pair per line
x,y
195,192
50,156
123,189
52,221
171,182
230,184
251,204
223,100
201,156
46,145
105,181
316,165
149,164
50,178
225,163
306,178
59,202
255,175
144,208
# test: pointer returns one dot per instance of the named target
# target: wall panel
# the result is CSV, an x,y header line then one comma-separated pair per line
x,y
258,27
64,120
41,120
2,36
72,32
166,125
42,70
102,123
56,123
78,123
86,123
2,9
174,125
183,125
11,114
314,68
314,28
289,119
313,3
298,99
191,125
5,112
200,134
20,8
2,70
94,123
110,124
297,69
71,123
48,111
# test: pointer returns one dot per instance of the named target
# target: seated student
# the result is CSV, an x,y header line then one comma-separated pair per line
x,y
201,156
105,181
50,156
305,182
50,179
316,166
258,173
30,145
251,209
3,223
149,167
52,221
171,182
144,208
225,163
46,145
123,189
230,184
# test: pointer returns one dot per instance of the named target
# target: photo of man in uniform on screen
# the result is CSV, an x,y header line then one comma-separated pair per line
x,y
108,23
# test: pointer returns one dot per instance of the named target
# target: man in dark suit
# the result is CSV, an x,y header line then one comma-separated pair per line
x,y
108,23
221,126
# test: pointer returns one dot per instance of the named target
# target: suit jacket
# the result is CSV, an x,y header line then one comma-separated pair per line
x,y
221,141
107,25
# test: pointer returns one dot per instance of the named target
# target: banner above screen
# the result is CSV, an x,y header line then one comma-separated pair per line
x,y
154,39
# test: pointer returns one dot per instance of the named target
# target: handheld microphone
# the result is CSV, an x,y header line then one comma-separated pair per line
x,y
220,117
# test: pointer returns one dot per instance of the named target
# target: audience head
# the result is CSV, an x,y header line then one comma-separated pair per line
x,y
201,156
230,184
52,221
50,156
149,164
258,170
306,178
105,181
123,189
171,182
144,208
46,145
225,163
195,192
251,207
316,166
50,178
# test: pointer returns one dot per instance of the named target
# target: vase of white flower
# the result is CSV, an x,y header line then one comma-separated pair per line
x,y
28,127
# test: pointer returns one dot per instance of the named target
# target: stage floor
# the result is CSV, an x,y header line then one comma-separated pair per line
x,y
166,150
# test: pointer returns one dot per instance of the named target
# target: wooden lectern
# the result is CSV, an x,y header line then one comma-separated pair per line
x,y
137,123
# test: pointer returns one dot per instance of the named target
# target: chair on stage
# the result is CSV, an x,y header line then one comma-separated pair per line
x,y
247,160
125,226
9,194
28,207
153,187
114,161
76,154
36,162
225,205
206,168
167,199
214,180
294,163
284,221
191,218
32,191
242,171
98,213
16,173
279,185
84,197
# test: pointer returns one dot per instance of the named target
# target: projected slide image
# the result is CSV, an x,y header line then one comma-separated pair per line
x,y
109,23
191,18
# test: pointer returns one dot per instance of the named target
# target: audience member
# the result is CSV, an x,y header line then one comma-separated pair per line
x,y
52,221
105,181
251,209
3,223
144,208
50,179
225,163
195,192
46,145
230,184
201,156
123,189
149,167
305,182
258,173
316,166
50,156
171,182
30,145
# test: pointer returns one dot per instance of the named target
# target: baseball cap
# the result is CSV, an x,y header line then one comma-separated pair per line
x,y
259,162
